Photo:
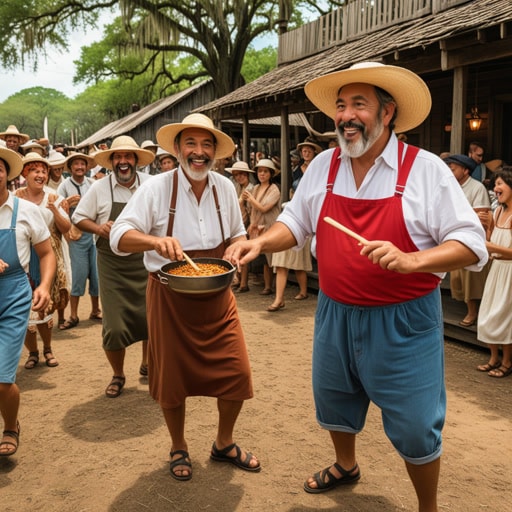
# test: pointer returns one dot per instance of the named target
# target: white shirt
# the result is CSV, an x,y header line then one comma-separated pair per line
x,y
96,205
30,227
476,193
69,187
435,208
196,225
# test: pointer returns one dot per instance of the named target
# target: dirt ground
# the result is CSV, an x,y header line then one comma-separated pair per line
x,y
81,451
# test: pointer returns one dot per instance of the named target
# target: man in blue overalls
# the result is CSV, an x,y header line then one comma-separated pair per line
x,y
21,226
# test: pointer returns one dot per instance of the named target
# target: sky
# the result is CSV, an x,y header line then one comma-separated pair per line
x,y
55,72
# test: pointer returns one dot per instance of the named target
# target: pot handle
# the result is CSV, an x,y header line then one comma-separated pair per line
x,y
163,279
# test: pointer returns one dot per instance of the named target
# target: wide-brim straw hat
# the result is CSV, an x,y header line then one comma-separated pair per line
x,y
89,161
124,144
317,148
266,162
13,160
12,130
34,157
56,159
167,134
32,144
149,144
494,165
239,166
409,91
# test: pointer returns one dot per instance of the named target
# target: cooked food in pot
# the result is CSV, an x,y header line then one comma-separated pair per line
x,y
206,269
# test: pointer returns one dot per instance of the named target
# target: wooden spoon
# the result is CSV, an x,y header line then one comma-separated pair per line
x,y
345,230
189,260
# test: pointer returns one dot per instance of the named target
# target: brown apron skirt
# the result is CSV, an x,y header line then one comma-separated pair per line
x,y
196,346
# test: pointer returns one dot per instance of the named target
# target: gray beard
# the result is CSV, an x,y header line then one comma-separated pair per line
x,y
358,148
196,175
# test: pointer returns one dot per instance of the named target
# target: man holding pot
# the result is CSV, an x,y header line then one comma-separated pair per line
x,y
196,345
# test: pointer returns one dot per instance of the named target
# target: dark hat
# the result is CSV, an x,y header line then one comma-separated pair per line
x,y
463,160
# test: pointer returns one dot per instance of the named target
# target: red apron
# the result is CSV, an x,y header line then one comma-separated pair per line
x,y
345,275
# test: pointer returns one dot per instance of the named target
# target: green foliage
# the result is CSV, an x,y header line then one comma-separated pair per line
x,y
151,50
258,62
28,108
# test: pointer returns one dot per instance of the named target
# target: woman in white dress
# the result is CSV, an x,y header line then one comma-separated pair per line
x,y
54,211
495,317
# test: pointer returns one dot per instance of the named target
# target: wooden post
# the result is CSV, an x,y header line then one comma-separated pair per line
x,y
457,134
286,177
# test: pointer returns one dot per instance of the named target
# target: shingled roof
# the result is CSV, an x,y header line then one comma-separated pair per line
x,y
284,84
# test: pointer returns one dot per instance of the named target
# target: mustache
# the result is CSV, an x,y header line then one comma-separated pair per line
x,y
350,124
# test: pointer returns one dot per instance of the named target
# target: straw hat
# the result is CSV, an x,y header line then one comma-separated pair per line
x,y
13,160
494,165
410,92
239,166
314,145
149,144
89,161
31,145
124,144
56,159
266,162
34,157
167,134
12,130
161,153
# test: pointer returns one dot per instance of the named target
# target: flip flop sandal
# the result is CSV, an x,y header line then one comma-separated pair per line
x,y
14,435
51,361
96,316
32,361
325,480
221,456
69,324
143,370
181,461
115,387
487,367
501,372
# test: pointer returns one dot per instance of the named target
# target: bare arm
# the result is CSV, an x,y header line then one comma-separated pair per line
x,y
450,255
135,241
277,238
102,230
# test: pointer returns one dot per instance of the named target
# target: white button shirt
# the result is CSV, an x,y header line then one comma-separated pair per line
x,y
435,208
196,225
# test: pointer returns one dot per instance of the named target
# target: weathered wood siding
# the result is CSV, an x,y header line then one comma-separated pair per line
x,y
352,20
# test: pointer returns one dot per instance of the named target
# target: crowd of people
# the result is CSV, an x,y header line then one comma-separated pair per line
x,y
109,220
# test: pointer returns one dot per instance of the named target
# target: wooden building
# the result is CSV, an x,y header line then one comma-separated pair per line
x,y
461,48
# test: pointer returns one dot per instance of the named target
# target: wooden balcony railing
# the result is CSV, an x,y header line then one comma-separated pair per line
x,y
354,19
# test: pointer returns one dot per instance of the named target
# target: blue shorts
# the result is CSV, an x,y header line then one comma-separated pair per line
x,y
82,254
390,355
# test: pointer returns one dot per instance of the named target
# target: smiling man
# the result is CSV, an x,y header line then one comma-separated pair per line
x,y
122,279
196,344
378,328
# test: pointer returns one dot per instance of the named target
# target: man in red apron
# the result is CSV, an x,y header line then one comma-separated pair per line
x,y
378,328
196,345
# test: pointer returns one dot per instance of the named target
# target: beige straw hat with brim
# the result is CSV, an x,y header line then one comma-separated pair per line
x,y
266,162
239,166
12,130
56,159
13,160
89,161
316,147
160,153
167,134
494,165
31,144
34,157
410,92
149,144
124,144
